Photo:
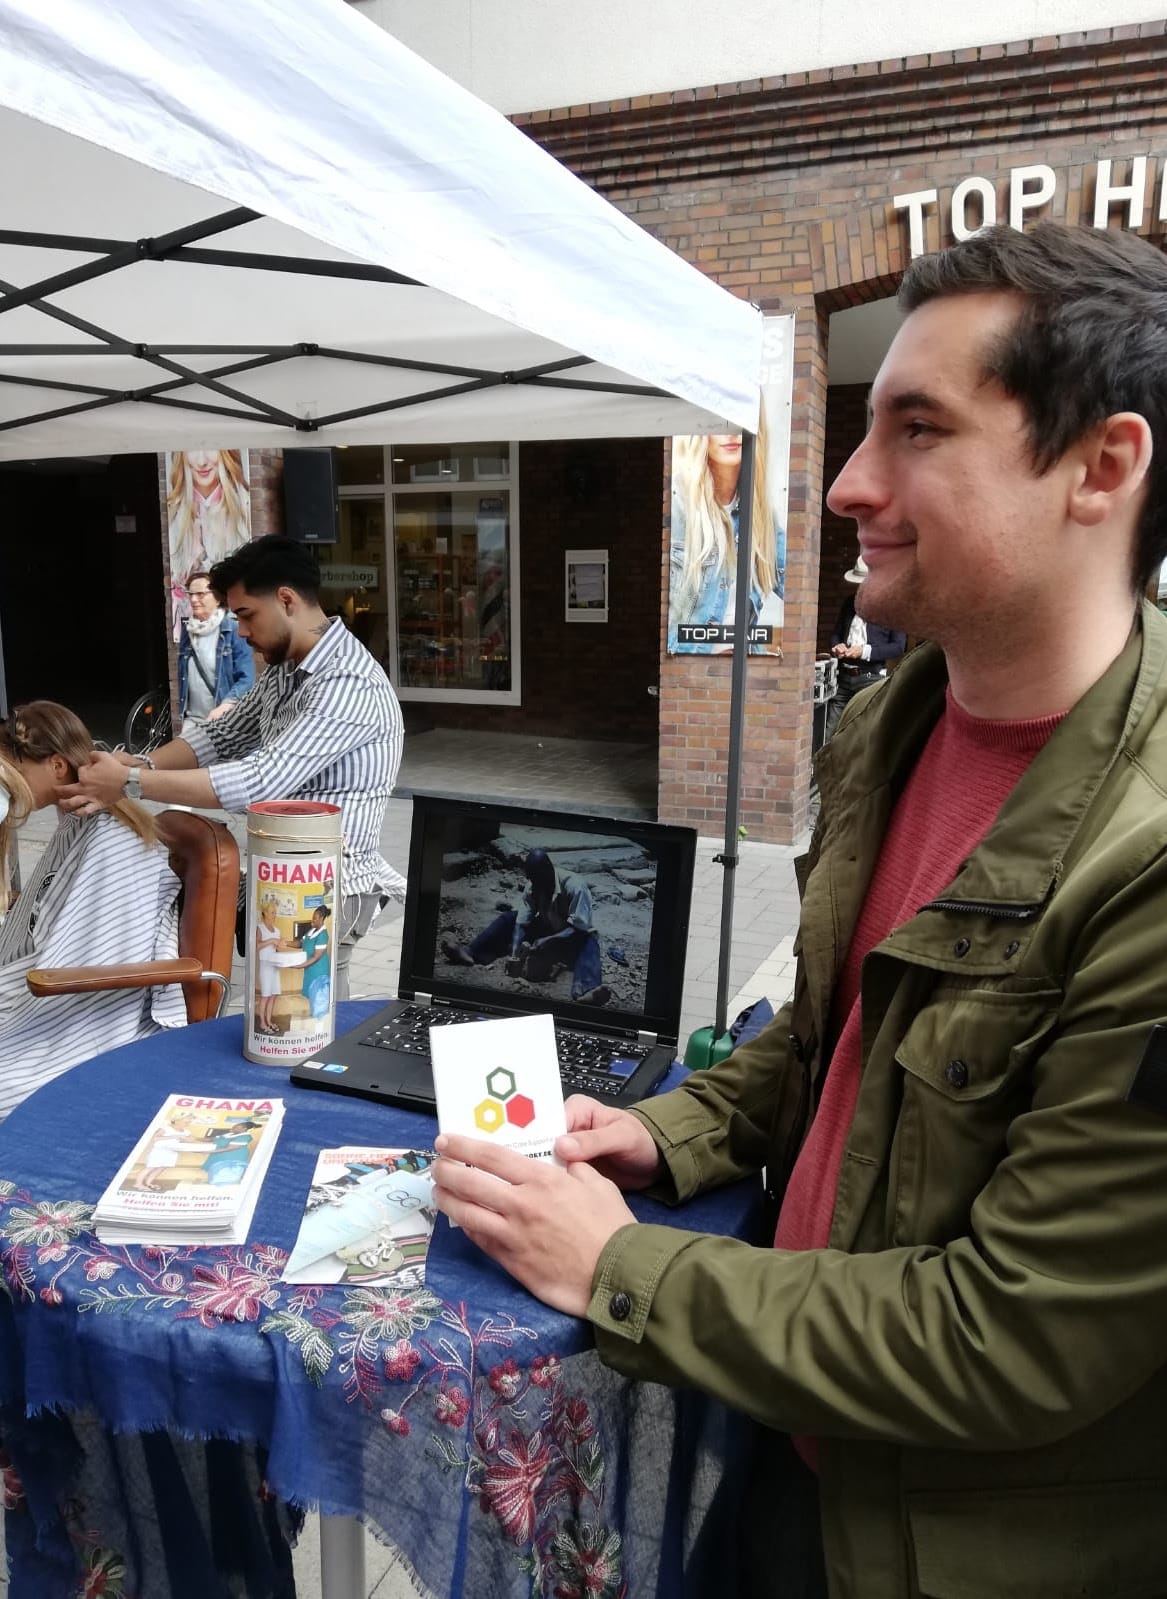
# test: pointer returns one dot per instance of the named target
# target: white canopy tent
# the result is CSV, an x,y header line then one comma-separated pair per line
x,y
232,223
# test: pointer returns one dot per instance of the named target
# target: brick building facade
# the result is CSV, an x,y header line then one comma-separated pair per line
x,y
783,190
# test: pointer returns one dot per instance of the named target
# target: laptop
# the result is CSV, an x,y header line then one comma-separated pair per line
x,y
489,887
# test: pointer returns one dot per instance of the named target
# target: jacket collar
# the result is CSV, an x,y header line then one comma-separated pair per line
x,y
1023,855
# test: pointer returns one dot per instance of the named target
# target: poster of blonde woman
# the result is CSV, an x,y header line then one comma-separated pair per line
x,y
208,514
706,516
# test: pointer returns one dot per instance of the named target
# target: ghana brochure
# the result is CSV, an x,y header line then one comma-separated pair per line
x,y
194,1175
368,1219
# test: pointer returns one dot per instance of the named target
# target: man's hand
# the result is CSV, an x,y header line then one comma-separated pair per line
x,y
618,1145
99,785
547,1226
220,710
848,652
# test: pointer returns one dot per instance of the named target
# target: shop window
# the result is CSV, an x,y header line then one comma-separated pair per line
x,y
438,604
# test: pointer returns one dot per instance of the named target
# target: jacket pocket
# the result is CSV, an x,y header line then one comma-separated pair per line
x,y
1081,1541
965,1060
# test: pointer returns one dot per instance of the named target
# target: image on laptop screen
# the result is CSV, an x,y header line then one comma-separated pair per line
x,y
533,910
565,916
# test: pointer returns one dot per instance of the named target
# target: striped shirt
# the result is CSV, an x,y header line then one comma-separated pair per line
x,y
97,896
327,729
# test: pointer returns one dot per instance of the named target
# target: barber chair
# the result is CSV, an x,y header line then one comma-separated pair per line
x,y
205,859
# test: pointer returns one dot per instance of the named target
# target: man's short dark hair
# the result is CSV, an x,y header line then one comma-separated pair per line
x,y
1090,340
268,564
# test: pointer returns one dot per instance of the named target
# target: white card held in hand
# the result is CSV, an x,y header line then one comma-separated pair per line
x,y
499,1081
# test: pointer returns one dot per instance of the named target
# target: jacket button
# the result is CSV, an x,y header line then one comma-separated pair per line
x,y
620,1306
1011,948
956,1074
961,948
796,1048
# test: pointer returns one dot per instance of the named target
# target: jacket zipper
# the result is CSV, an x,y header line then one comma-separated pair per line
x,y
1012,913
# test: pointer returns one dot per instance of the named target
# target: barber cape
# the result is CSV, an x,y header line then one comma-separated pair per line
x,y
97,896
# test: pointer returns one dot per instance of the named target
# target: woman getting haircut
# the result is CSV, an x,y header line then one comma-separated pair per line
x,y
102,892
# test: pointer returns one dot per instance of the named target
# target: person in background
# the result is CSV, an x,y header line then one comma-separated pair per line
x,y
321,724
215,666
962,1113
863,649
102,892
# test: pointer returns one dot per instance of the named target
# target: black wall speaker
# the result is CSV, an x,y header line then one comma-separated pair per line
x,y
311,503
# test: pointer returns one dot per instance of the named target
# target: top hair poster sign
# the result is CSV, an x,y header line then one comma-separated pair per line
x,y
705,517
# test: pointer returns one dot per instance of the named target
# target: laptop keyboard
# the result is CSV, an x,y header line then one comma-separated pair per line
x,y
587,1064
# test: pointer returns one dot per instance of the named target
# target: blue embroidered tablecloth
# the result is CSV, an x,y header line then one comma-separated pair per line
x,y
466,1422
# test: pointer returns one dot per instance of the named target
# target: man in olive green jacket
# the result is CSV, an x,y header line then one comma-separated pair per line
x,y
979,1348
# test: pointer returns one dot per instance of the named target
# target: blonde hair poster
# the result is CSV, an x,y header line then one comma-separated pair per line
x,y
208,514
705,518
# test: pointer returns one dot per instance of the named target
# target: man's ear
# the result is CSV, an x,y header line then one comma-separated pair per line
x,y
1114,462
288,598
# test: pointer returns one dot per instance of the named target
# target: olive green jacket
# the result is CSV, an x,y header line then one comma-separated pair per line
x,y
981,1347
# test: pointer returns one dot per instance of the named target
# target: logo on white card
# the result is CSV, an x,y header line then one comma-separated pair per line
x,y
504,1103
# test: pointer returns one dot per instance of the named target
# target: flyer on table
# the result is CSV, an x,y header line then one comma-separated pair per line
x,y
368,1219
499,1081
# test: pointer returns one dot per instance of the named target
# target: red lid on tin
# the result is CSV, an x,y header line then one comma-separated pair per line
x,y
293,808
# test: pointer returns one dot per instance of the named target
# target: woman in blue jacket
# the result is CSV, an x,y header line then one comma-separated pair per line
x,y
215,666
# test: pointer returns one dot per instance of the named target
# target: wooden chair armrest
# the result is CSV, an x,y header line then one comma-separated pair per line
x,y
97,979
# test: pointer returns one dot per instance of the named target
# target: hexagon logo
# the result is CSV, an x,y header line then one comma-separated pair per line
x,y
488,1115
520,1110
501,1083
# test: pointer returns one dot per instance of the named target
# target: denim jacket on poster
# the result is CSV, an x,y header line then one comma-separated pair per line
x,y
712,601
234,665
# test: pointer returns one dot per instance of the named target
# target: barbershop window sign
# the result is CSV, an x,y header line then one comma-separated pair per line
x,y
705,515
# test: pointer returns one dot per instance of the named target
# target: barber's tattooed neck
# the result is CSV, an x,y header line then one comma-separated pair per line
x,y
322,629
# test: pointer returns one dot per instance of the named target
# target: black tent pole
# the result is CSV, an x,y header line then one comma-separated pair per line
x,y
737,711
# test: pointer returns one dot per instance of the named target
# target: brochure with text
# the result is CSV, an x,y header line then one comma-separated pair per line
x,y
195,1174
368,1219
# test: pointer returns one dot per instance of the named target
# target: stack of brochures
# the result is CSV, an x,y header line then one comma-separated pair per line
x,y
368,1219
195,1174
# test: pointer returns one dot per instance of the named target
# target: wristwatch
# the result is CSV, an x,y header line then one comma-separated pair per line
x,y
133,786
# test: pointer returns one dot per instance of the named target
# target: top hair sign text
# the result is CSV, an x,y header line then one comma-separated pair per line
x,y
974,200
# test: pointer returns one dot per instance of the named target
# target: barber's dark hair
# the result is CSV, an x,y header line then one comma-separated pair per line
x,y
267,564
1090,340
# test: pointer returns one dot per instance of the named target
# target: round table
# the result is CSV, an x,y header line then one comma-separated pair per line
x,y
469,1424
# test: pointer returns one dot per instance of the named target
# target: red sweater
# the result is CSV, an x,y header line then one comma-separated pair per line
x,y
965,774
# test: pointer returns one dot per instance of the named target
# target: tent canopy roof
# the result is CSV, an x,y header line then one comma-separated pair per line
x,y
323,241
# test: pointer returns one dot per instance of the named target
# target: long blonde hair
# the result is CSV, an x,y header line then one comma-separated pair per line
x,y
709,526
180,511
20,806
41,729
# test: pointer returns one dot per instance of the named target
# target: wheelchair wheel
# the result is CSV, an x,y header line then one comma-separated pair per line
x,y
148,723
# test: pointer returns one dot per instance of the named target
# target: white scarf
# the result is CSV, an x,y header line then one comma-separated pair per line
x,y
198,629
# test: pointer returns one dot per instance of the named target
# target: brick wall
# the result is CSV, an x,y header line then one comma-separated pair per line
x,y
781,190
582,679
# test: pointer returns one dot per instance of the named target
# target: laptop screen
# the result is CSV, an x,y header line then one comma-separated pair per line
x,y
528,910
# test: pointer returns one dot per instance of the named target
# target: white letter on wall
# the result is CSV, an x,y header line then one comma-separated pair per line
x,y
1134,193
914,205
967,186
1022,199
